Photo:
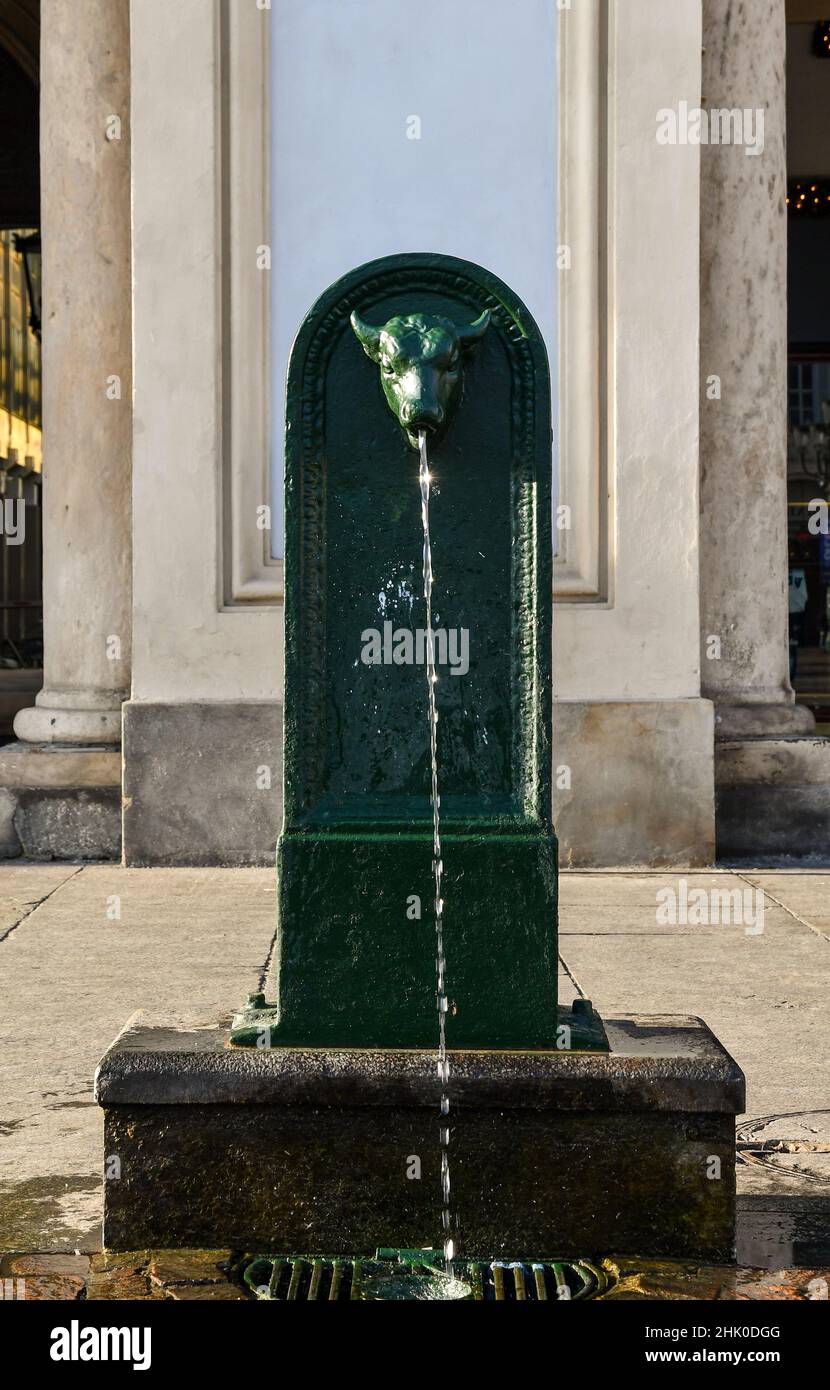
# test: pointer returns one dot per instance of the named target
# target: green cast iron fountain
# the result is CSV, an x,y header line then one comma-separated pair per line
x,y
356,958
382,825
414,1029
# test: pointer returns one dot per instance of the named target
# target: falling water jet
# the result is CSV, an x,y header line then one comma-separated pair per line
x,y
437,861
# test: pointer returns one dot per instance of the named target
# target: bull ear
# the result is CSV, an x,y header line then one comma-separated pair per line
x,y
368,337
469,335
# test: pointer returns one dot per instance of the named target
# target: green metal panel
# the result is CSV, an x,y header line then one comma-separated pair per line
x,y
356,966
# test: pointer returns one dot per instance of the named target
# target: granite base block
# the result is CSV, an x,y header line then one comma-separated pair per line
x,y
318,1151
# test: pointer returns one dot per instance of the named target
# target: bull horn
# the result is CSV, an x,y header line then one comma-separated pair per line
x,y
368,337
472,332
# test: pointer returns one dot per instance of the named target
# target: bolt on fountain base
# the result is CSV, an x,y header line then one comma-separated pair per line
x,y
330,1150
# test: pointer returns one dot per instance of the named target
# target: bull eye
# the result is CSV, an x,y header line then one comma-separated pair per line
x,y
389,371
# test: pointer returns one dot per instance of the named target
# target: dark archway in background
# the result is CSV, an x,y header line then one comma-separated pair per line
x,y
21,621
19,116
20,34
808,460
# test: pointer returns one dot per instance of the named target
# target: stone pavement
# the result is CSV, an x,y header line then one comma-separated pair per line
x,y
83,948
188,943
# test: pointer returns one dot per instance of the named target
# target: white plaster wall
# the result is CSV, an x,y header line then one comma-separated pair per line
x,y
348,184
185,646
644,642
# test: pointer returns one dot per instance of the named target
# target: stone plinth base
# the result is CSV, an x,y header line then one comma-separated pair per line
x,y
191,794
627,760
60,803
773,796
320,1150
191,788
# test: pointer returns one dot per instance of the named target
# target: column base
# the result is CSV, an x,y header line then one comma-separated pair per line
x,y
60,803
73,717
763,721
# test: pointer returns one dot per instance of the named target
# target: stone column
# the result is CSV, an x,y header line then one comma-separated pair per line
x,y
743,435
85,177
772,778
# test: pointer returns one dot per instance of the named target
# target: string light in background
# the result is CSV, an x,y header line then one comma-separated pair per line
x,y
821,39
808,197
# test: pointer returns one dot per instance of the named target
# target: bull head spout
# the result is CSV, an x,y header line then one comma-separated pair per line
x,y
421,360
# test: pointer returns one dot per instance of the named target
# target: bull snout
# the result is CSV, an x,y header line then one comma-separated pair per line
x,y
420,406
422,415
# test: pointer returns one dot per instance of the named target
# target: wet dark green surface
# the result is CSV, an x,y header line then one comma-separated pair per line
x,y
334,1180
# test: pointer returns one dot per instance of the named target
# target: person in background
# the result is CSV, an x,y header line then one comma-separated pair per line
x,y
797,604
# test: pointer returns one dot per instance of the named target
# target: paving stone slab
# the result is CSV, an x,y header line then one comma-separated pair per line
x,y
189,941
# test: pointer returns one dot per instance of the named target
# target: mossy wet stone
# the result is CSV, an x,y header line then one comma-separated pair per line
x,y
555,1154
356,958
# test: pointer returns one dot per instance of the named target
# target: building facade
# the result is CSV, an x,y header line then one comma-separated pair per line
x,y
174,227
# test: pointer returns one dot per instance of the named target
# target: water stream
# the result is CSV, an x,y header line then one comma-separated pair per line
x,y
437,867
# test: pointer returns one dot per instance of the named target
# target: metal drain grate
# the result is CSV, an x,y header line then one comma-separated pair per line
x,y
538,1281
307,1278
291,1280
